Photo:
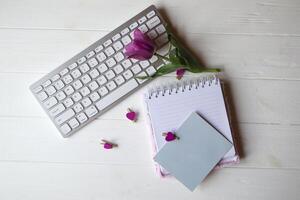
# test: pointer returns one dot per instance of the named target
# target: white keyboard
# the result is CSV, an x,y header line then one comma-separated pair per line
x,y
100,76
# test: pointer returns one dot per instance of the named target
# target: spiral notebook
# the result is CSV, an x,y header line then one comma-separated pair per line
x,y
168,106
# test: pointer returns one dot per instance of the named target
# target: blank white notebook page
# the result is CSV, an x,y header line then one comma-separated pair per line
x,y
167,110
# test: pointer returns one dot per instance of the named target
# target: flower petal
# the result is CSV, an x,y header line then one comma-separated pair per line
x,y
141,48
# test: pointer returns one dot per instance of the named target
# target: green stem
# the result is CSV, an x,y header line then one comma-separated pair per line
x,y
163,57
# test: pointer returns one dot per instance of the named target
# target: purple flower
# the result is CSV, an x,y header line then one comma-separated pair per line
x,y
179,73
141,47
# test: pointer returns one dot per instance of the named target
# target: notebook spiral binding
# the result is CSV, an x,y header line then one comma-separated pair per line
x,y
194,83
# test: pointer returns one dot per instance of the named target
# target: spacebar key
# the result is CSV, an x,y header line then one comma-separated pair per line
x,y
116,94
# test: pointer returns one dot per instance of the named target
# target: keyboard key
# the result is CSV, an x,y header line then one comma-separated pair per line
x,y
50,102
102,68
90,54
115,37
142,74
99,48
77,96
77,84
86,79
133,26
126,63
136,69
46,83
109,74
119,57
150,70
81,60
144,64
76,73
111,85
60,95
42,96
78,108
93,85
91,111
37,89
101,80
86,102
111,62
50,90
109,51
101,57
57,110
119,80
126,40
142,20
67,79
84,68
73,123
116,94
118,45
69,90
55,77
143,28
65,129
93,62
59,84
94,73
125,31
153,59
103,91
160,29
153,22
81,118
72,66
151,14
152,34
85,91
94,96
128,74
118,69
161,40
64,117
68,102
64,72
107,43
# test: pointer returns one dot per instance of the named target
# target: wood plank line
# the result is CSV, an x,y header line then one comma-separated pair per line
x,y
255,101
28,140
233,16
238,56
140,182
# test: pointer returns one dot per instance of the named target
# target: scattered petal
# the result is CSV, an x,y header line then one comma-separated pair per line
x,y
179,73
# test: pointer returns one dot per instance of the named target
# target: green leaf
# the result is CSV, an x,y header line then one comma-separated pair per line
x,y
174,58
182,53
199,70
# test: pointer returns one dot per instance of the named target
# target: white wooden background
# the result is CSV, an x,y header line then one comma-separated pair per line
x,y
257,43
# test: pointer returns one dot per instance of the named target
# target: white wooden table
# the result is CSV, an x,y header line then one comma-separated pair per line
x,y
257,43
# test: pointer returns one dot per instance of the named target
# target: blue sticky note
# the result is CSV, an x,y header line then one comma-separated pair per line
x,y
199,148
